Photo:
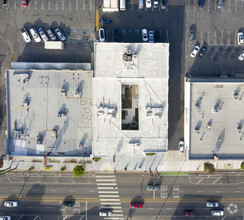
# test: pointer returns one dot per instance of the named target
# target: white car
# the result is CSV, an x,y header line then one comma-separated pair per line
x,y
240,38
181,147
194,51
105,212
144,35
35,35
42,34
11,204
148,3
241,56
25,35
212,204
5,217
151,36
51,35
60,35
101,35
217,213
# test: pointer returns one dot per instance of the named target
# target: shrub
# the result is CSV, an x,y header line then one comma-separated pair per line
x,y
63,168
242,165
31,168
96,159
150,154
209,168
78,171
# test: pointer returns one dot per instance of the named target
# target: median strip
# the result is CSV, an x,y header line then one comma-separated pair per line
x,y
174,174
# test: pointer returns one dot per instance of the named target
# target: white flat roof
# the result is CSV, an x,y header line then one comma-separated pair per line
x,y
152,62
214,118
110,74
33,107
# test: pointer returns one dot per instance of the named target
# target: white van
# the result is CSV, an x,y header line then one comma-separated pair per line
x,y
141,4
122,5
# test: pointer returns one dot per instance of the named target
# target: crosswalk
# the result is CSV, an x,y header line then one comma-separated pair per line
x,y
57,5
109,195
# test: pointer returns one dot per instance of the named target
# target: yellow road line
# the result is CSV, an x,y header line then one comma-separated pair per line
x,y
97,20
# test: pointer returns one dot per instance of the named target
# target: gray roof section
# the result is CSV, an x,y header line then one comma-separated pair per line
x,y
34,105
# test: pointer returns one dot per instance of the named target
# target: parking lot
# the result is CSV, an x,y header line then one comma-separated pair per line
x,y
217,29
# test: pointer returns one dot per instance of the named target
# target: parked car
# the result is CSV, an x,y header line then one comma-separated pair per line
x,y
192,35
241,56
4,3
116,34
11,204
152,187
240,38
202,51
25,35
144,35
148,3
35,35
212,204
136,205
217,213
24,3
101,35
163,4
181,147
51,35
189,212
220,4
155,3
151,36
68,203
201,3
194,51
105,21
42,34
60,35
5,217
105,212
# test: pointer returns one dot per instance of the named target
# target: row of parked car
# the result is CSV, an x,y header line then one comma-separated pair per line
x,y
40,34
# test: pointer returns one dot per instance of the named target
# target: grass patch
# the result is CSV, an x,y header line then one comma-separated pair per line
x,y
96,159
78,171
150,154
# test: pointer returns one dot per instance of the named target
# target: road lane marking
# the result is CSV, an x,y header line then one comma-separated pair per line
x,y
108,192
107,184
83,5
110,200
116,210
107,176
106,180
113,207
215,181
107,188
112,196
110,203
200,180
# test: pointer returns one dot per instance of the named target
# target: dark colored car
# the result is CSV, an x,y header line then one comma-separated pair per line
x,y
192,36
105,21
164,4
116,35
202,51
189,212
24,3
68,203
5,3
155,3
201,3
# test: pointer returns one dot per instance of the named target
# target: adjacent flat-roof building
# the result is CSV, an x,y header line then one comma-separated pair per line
x,y
214,118
49,109
130,99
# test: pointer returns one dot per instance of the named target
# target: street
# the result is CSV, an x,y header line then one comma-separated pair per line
x,y
40,195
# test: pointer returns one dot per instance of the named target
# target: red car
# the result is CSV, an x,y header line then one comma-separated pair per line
x,y
136,205
189,212
24,3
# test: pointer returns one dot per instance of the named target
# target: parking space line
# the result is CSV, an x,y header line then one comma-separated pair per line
x,y
201,37
90,5
20,217
228,38
49,5
84,5
56,6
221,37
229,4
215,181
42,6
200,180
69,5
35,5
208,5
215,37
236,5
63,4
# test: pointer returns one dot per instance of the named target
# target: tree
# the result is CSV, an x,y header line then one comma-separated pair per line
x,y
242,166
78,171
209,168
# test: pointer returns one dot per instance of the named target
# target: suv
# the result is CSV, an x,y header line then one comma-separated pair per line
x,y
5,3
152,188
35,35
51,35
144,35
194,51
60,35
25,35
202,51
192,36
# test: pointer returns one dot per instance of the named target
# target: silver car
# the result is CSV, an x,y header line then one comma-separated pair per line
x,y
25,35
60,35
51,35
194,51
144,35
217,213
212,204
10,204
42,34
241,56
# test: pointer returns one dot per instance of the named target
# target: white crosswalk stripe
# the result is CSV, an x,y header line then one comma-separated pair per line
x,y
108,194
